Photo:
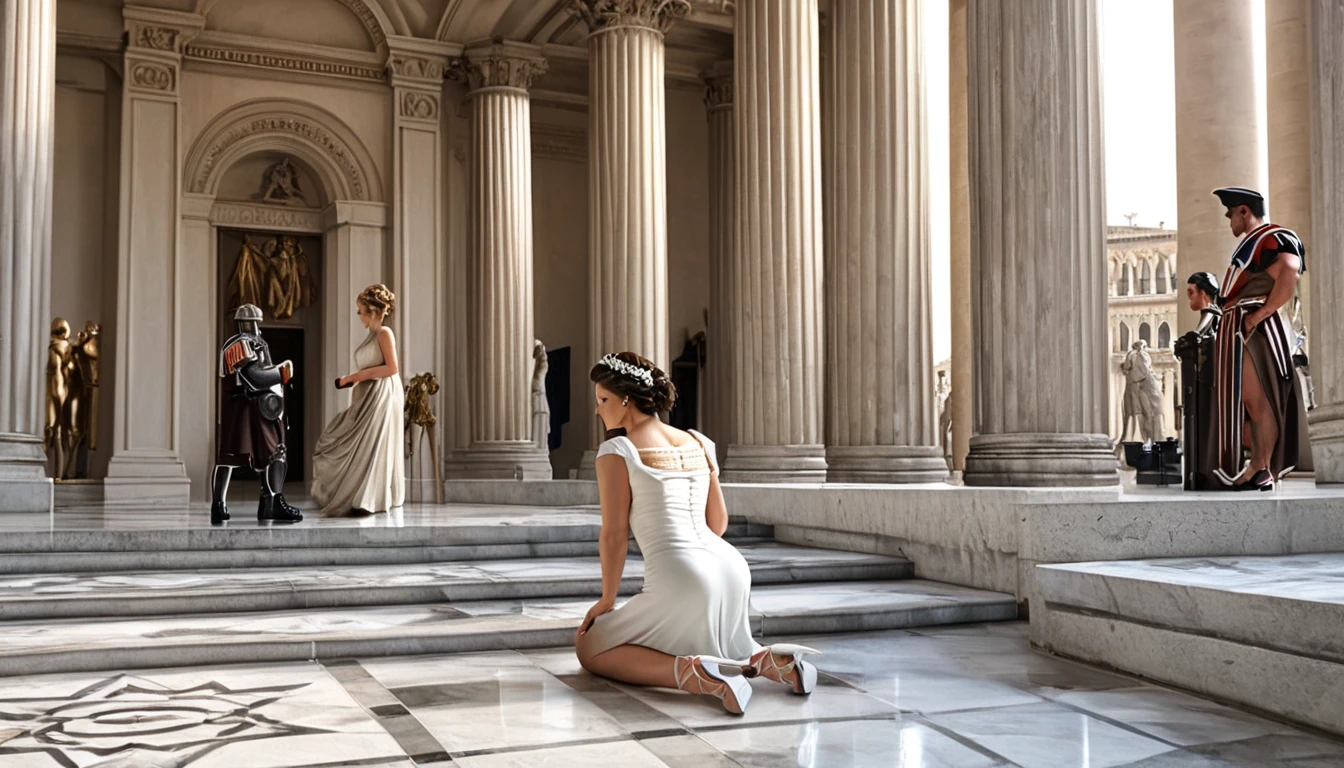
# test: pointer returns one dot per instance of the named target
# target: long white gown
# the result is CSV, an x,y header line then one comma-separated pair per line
x,y
697,587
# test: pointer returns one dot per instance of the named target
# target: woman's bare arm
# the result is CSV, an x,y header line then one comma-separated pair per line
x,y
613,487
716,511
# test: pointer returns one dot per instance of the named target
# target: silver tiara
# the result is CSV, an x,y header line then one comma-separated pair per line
x,y
642,375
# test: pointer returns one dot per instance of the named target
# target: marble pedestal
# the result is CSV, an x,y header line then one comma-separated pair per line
x,y
500,460
24,486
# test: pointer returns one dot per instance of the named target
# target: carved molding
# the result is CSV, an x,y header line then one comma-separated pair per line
x,y
503,65
368,19
655,14
153,76
419,105
273,60
418,67
556,142
156,38
265,217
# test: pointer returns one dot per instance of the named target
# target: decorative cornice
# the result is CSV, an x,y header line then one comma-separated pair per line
x,y
224,214
503,65
658,15
152,29
275,60
557,142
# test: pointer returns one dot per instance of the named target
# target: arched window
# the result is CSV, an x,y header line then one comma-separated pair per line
x,y
1123,289
1124,337
1164,336
1146,280
1162,278
1146,333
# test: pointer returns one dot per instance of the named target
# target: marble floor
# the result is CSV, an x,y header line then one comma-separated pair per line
x,y
971,695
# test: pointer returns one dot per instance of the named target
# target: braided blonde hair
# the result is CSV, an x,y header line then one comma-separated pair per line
x,y
378,298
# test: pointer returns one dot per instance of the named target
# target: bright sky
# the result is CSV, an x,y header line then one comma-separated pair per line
x,y
1139,110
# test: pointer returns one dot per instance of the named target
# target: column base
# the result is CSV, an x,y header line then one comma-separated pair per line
x,y
588,466
147,480
775,464
885,464
24,485
1034,459
1325,424
502,460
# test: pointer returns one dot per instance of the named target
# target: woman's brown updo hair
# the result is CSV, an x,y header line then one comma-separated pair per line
x,y
648,399
379,299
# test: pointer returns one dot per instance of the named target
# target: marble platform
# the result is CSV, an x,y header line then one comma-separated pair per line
x,y
973,695
1262,631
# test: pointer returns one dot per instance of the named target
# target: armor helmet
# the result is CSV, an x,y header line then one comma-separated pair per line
x,y
248,314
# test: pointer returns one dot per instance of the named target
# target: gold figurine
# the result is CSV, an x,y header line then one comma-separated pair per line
x,y
418,412
67,392
87,346
249,276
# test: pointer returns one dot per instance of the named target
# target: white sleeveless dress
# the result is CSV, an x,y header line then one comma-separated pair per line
x,y
697,587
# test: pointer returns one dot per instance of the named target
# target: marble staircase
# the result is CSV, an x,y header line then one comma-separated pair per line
x,y
78,598
1262,631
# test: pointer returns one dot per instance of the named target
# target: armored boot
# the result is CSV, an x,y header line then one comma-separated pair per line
x,y
219,507
272,505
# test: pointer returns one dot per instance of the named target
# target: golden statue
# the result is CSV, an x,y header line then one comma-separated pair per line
x,y
289,284
418,412
87,346
65,392
249,275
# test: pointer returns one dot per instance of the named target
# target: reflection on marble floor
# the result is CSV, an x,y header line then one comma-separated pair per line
x,y
972,695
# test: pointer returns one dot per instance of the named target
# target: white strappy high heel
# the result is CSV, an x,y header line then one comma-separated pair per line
x,y
797,673
701,675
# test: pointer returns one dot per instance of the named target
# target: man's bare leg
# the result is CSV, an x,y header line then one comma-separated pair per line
x,y
1264,429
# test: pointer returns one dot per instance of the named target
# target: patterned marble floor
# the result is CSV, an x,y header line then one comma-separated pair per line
x,y
972,695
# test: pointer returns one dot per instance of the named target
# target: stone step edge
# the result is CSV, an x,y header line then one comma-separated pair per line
x,y
152,602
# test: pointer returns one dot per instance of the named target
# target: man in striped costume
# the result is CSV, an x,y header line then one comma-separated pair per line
x,y
1256,402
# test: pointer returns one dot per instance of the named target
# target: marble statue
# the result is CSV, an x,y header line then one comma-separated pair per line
x,y
1300,361
420,413
541,409
1143,394
282,184
943,397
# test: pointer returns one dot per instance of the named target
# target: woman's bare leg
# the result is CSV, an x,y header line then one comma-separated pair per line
x,y
633,664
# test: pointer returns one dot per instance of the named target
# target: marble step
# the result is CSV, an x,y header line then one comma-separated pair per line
x,y
147,593
1261,631
782,610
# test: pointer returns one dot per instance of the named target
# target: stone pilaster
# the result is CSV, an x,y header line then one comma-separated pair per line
x,y
627,180
880,425
1289,131
719,365
501,332
777,313
1038,255
415,70
1214,100
146,467
1325,248
963,343
27,99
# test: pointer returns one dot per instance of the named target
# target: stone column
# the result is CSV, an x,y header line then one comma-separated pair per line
x,y
777,313
501,332
963,344
415,70
27,105
1325,248
1289,131
1217,130
627,180
880,424
146,467
1038,252
719,364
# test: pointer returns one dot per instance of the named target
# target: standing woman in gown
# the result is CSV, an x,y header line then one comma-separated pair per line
x,y
358,467
689,627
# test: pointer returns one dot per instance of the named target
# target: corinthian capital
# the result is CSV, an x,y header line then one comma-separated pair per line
x,y
654,14
718,85
503,65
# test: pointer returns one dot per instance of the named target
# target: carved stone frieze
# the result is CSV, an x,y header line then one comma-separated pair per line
x,y
272,60
153,76
654,14
288,125
416,67
419,105
270,217
503,65
555,142
156,38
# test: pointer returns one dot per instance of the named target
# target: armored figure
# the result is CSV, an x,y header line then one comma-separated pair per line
x,y
1195,351
251,425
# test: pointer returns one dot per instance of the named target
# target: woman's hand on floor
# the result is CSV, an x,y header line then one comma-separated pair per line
x,y
600,607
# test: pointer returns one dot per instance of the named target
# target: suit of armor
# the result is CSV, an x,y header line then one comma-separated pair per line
x,y
251,427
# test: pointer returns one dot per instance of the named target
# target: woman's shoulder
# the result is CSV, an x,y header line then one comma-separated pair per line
x,y
385,332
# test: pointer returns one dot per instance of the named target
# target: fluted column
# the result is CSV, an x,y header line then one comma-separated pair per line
x,y
500,273
880,425
1325,249
963,343
722,240
1289,132
1038,254
27,99
1217,130
777,313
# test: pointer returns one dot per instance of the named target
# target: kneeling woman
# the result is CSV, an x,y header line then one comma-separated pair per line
x,y
689,626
